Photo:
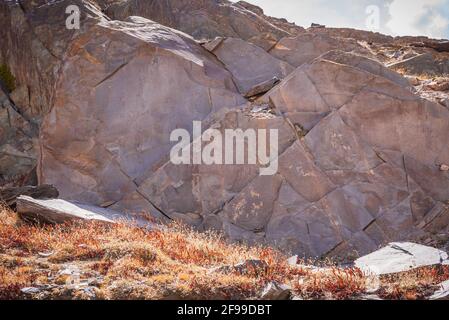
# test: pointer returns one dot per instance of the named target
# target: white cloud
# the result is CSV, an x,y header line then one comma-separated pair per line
x,y
397,17
418,18
340,13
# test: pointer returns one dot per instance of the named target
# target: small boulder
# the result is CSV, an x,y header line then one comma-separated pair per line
x,y
248,266
255,266
30,290
441,85
370,297
317,25
444,102
293,261
400,257
276,291
262,87
442,293
60,211
414,81
213,44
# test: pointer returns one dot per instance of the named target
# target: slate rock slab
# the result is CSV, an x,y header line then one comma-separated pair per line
x,y
276,291
60,211
442,293
400,257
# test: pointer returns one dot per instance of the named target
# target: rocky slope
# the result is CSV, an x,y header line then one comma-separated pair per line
x,y
207,19
363,157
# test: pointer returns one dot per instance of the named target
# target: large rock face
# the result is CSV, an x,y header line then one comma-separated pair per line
x,y
199,194
361,160
378,144
125,86
364,173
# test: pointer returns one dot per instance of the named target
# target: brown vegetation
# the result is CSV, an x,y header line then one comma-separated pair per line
x,y
174,262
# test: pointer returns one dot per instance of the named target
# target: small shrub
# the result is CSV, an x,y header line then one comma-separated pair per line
x,y
7,78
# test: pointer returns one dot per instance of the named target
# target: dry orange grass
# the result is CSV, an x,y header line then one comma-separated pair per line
x,y
421,77
413,285
126,262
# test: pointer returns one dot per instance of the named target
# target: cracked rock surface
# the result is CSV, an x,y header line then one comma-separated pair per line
x,y
121,64
361,151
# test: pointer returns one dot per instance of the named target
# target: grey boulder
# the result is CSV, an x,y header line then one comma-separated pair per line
x,y
401,257
276,291
60,211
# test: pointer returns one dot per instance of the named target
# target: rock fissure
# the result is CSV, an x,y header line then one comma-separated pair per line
x,y
154,205
111,74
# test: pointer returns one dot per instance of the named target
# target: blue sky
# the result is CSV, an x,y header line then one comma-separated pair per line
x,y
396,17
